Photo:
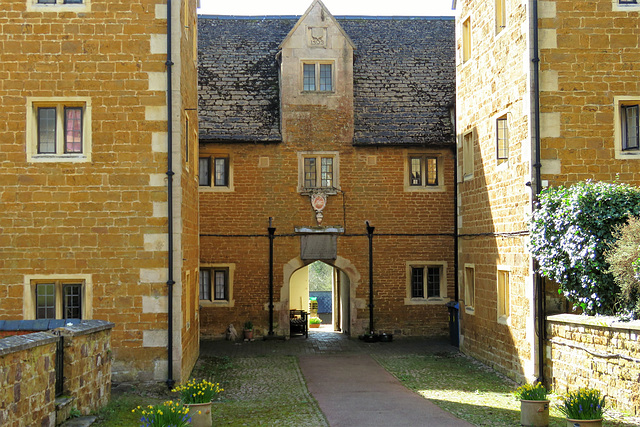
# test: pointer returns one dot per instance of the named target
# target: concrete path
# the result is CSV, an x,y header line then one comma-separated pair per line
x,y
354,390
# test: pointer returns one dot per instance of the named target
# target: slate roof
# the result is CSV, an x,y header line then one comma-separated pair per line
x,y
404,78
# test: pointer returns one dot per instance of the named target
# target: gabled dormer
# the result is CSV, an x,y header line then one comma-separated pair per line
x,y
316,66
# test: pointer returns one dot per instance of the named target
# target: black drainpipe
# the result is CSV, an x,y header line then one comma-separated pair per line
x,y
170,282
537,186
272,231
370,230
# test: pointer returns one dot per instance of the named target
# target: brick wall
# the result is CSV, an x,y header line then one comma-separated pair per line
x,y
600,353
494,200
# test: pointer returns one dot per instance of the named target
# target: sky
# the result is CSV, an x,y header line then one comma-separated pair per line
x,y
336,7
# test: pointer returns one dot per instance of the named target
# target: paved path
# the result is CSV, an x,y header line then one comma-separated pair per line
x,y
351,388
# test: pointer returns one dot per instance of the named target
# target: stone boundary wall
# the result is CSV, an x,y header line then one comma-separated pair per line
x,y
27,373
596,352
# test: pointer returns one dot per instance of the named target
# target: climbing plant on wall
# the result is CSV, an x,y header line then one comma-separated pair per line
x,y
570,231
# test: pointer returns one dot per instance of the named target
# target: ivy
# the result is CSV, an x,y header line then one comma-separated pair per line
x,y
570,231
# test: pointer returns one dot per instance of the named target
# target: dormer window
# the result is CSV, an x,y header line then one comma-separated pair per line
x,y
317,77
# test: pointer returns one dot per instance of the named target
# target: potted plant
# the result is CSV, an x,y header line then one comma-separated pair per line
x,y
248,330
166,414
314,322
197,397
534,405
583,407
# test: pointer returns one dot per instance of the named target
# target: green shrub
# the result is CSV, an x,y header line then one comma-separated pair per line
x,y
623,257
315,320
570,231
583,404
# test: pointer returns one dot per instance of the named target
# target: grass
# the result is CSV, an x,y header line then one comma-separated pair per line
x,y
270,391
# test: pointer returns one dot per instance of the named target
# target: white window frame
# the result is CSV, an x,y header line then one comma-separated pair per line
x,y
229,302
503,300
469,303
622,7
466,40
468,159
29,293
33,103
318,155
439,156
211,187
59,6
618,102
497,120
316,64
440,299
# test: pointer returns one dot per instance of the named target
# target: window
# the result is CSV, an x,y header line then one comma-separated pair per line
x,y
502,139
58,5
426,282
58,130
625,5
317,77
57,300
467,155
501,15
627,1
216,283
186,140
627,127
469,288
423,171
504,293
214,171
318,171
466,40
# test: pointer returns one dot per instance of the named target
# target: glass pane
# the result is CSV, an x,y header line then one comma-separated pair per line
x,y
204,172
309,77
325,77
46,1
502,138
470,287
73,130
72,305
326,172
503,293
220,285
205,284
45,301
630,134
433,282
417,282
310,172
47,130
416,171
432,171
73,1
221,179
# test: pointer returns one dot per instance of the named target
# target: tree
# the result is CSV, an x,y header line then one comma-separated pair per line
x,y
320,276
570,231
623,257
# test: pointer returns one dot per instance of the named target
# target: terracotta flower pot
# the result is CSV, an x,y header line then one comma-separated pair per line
x,y
200,414
248,334
314,325
584,423
534,413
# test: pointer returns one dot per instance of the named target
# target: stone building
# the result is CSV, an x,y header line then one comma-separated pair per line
x,y
97,220
547,94
326,134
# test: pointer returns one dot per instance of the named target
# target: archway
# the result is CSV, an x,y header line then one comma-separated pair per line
x,y
345,280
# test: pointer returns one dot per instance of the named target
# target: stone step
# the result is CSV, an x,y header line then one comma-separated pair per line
x,y
79,422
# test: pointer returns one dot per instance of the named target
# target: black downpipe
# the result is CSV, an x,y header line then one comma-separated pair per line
x,y
537,186
170,282
272,231
370,230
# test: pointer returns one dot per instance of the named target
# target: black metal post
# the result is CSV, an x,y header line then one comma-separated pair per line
x,y
370,230
272,232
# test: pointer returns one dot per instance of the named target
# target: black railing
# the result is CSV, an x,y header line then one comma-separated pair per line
x,y
59,365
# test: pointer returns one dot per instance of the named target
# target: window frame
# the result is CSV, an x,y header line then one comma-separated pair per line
x,y
423,155
502,144
500,15
425,299
466,40
625,127
318,156
61,282
503,300
61,151
469,272
79,6
317,75
621,104
468,156
209,158
625,5
229,270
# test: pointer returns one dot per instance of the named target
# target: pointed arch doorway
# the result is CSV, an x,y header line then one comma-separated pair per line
x,y
333,281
